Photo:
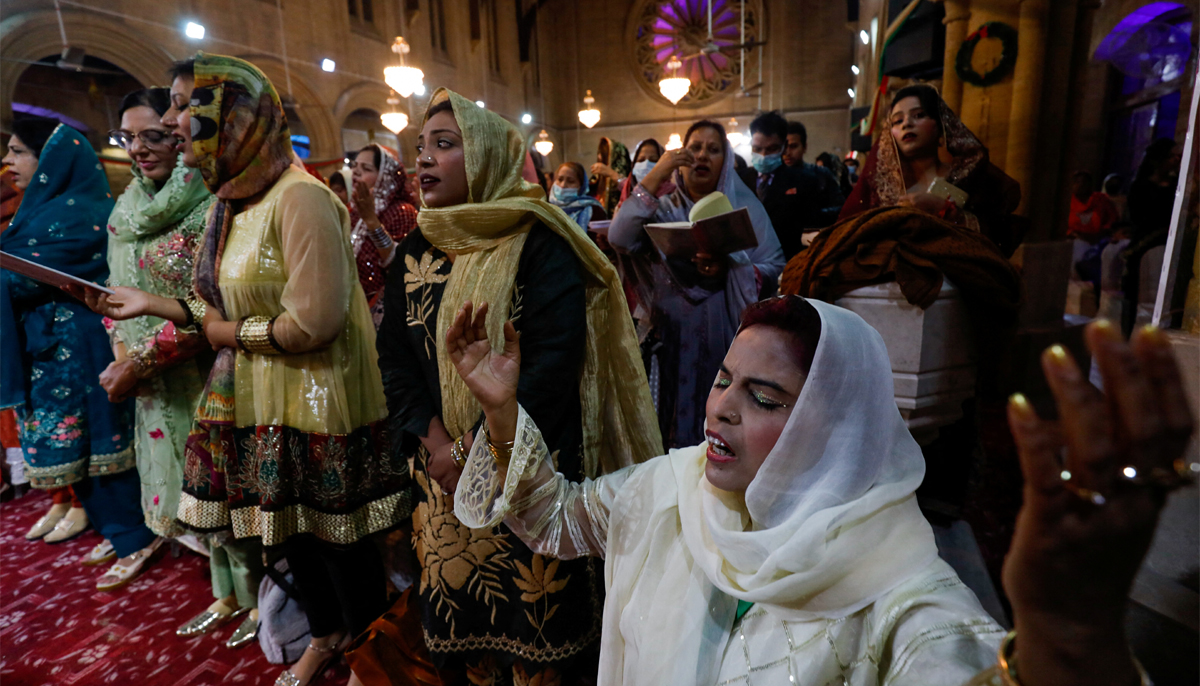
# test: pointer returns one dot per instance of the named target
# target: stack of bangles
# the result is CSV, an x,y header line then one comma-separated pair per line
x,y
1007,663
500,451
380,238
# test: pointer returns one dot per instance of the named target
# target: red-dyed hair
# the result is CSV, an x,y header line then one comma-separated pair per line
x,y
793,315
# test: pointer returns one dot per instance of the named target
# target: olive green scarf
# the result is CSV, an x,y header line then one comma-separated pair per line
x,y
487,233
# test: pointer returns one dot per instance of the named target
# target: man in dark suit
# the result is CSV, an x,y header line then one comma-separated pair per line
x,y
797,199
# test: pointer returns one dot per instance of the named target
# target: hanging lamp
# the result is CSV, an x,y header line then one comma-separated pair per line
x,y
403,79
544,145
675,87
394,121
589,117
674,142
735,137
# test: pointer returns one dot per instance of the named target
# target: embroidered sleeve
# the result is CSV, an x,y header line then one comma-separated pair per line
x,y
169,347
552,515
627,231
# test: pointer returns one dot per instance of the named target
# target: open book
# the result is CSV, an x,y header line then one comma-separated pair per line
x,y
718,235
44,274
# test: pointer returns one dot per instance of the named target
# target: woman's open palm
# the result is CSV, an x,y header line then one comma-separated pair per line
x,y
490,376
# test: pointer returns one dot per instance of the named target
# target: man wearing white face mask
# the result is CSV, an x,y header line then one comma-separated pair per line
x,y
799,198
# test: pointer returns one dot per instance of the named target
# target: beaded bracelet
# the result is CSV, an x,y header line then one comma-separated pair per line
x,y
253,335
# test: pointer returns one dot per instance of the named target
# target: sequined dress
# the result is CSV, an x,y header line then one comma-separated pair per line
x,y
305,451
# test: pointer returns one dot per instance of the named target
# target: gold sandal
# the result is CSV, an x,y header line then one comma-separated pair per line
x,y
331,654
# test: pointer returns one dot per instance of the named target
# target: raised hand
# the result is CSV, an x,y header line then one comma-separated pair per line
x,y
490,376
364,202
1095,482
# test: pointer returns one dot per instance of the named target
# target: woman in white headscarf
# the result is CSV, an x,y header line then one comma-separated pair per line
x,y
694,307
789,547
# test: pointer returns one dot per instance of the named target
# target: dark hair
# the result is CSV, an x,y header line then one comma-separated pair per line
x,y
185,68
770,124
157,99
704,124
338,179
1158,152
1085,176
375,151
649,141
793,315
443,106
795,127
925,94
34,132
739,162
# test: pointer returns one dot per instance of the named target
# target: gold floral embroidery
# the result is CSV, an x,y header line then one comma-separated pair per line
x,y
547,676
422,275
452,555
538,583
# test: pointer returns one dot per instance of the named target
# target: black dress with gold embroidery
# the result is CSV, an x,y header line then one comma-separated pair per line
x,y
483,592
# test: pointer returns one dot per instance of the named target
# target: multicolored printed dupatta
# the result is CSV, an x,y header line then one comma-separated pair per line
x,y
240,136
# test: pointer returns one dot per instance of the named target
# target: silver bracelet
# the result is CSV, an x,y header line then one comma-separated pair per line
x,y
380,238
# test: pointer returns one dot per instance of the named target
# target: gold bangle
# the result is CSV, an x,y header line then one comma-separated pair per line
x,y
458,452
1006,662
197,307
501,452
254,335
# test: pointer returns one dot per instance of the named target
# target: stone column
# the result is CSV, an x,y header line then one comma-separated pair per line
x,y
957,21
1026,94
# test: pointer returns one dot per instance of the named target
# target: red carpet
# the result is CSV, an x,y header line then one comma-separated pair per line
x,y
55,628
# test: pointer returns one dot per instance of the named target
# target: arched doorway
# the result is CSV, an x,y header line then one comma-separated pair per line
x,y
86,96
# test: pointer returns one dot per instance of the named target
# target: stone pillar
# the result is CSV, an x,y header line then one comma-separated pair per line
x,y
1027,94
956,21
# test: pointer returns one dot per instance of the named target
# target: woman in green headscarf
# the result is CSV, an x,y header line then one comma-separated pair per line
x,y
286,443
611,168
488,604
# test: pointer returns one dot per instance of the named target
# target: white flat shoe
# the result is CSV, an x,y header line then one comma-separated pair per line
x,y
103,552
74,523
121,574
47,523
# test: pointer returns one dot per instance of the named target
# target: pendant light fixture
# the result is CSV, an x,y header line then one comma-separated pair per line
x,y
588,116
674,142
675,87
735,137
394,121
402,78
544,145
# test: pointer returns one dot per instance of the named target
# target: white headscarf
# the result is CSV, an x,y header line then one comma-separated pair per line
x,y
768,255
835,523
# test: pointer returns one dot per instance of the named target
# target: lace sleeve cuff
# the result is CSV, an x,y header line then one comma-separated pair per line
x,y
485,496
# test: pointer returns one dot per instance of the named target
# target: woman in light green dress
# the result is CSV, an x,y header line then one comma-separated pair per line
x,y
153,233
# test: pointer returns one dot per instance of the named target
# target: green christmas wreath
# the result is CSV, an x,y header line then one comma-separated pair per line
x,y
1007,36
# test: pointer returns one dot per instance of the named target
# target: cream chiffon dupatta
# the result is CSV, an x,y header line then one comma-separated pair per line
x,y
487,233
829,524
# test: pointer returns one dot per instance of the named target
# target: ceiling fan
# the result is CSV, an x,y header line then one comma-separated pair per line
x,y
710,46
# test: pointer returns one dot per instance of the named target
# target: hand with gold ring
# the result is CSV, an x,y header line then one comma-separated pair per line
x,y
1088,518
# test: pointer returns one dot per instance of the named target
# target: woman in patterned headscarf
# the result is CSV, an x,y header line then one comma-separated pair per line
x,y
382,214
486,602
287,440
52,350
926,140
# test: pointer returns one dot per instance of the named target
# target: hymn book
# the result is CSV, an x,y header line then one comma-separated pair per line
x,y
45,274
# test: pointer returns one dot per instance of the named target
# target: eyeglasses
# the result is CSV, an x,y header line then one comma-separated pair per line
x,y
151,138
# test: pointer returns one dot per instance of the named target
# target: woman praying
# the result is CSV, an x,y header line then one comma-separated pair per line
x,y
788,547
486,234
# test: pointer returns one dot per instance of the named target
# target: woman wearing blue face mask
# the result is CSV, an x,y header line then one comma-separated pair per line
x,y
645,156
569,194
